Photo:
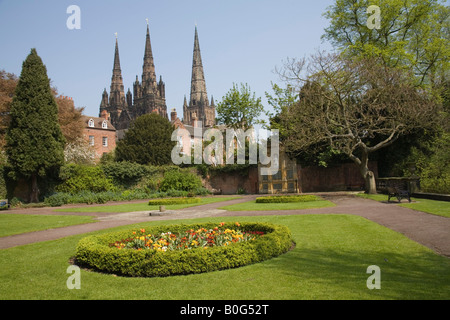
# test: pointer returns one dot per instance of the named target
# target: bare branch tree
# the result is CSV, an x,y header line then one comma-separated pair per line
x,y
356,107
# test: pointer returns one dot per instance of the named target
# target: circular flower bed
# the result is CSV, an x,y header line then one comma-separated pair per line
x,y
183,249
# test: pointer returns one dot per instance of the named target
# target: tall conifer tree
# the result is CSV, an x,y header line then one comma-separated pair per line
x,y
34,142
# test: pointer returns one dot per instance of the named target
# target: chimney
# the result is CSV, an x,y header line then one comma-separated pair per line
x,y
173,115
104,115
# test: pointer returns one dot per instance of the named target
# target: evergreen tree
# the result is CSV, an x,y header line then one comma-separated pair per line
x,y
148,141
34,142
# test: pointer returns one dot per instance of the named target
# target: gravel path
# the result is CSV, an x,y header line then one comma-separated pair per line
x,y
429,230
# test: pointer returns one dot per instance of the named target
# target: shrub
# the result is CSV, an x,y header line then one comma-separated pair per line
x,y
173,201
183,180
77,178
284,199
57,199
127,173
98,252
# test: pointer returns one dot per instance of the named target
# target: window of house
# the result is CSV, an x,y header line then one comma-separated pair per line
x,y
105,141
91,123
91,140
104,124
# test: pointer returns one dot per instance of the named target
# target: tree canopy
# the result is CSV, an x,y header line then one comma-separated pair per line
x,y
355,106
34,142
239,108
413,34
147,141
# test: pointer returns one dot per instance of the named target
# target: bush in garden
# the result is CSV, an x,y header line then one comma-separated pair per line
x,y
78,178
284,199
182,180
127,173
57,199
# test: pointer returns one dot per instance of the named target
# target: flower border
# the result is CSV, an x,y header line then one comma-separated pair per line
x,y
95,252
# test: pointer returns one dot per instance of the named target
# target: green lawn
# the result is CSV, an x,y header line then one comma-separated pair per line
x,y
253,206
440,208
330,261
142,206
20,223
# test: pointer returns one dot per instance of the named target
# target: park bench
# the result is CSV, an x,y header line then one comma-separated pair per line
x,y
4,204
398,193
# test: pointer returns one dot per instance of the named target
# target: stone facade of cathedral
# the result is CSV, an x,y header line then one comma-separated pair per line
x,y
149,94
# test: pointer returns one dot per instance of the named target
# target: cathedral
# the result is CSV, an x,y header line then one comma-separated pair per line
x,y
149,94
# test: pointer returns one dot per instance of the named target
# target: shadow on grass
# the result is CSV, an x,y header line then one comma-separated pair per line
x,y
333,274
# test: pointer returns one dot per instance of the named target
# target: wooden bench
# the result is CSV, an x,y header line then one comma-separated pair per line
x,y
4,204
398,193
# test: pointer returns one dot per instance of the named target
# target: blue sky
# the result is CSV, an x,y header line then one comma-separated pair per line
x,y
241,41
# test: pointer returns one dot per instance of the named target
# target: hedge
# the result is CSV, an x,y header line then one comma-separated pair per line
x,y
95,252
154,202
284,199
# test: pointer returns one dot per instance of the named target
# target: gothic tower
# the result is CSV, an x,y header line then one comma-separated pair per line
x,y
149,95
199,107
112,108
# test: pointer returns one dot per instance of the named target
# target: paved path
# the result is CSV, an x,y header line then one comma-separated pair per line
x,y
429,230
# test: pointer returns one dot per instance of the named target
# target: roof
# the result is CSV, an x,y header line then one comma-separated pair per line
x,y
97,123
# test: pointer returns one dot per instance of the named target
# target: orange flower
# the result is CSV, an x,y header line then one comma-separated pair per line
x,y
237,223
143,230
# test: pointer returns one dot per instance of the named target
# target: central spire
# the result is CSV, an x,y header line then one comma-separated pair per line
x,y
148,69
116,80
198,84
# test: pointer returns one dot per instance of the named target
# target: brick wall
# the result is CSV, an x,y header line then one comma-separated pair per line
x,y
336,178
100,134
230,183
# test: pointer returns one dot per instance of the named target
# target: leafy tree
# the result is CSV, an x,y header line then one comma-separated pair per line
x,y
34,142
148,141
69,116
70,120
8,82
281,101
356,107
239,109
414,34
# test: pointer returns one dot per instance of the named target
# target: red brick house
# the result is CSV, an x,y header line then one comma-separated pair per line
x,y
100,134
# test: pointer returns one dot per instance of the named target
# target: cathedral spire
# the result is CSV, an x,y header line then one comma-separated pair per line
x,y
148,69
198,84
117,94
116,79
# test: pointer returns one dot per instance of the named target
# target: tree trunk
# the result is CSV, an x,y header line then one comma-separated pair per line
x,y
371,186
34,193
369,177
